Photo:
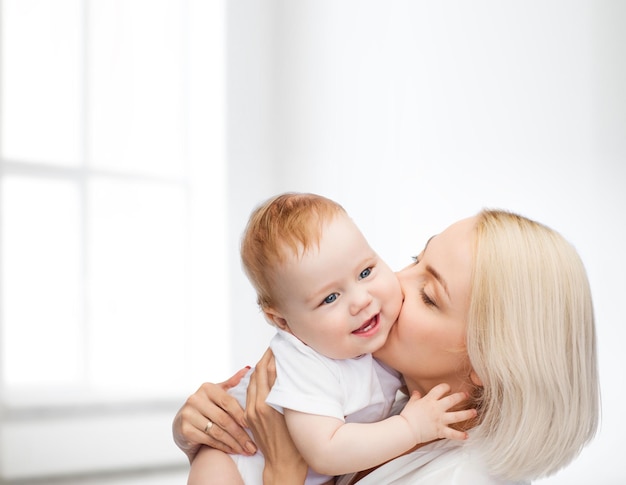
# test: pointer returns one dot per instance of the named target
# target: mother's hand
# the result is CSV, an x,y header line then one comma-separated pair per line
x,y
212,404
283,462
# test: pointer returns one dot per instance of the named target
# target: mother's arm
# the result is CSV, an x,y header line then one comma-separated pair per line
x,y
283,463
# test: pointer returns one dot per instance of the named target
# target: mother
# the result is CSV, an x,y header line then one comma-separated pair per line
x,y
498,306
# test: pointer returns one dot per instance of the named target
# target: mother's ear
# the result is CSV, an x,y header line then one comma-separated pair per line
x,y
476,380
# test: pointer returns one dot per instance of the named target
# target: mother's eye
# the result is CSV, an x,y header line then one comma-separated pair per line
x,y
426,299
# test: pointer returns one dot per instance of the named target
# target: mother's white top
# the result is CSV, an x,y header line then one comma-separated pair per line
x,y
443,462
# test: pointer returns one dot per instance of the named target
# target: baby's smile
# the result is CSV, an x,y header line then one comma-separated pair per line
x,y
369,327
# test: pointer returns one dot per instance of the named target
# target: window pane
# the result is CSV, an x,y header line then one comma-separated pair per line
x,y
136,86
137,235
41,54
40,282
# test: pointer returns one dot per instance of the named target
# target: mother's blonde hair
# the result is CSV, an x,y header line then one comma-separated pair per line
x,y
531,341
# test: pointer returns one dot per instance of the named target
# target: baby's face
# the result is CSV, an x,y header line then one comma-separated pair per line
x,y
340,299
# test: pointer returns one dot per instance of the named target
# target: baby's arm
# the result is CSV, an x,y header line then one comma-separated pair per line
x,y
333,447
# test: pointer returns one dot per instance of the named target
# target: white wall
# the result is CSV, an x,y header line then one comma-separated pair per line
x,y
415,114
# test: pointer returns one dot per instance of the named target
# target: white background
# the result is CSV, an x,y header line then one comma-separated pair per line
x,y
412,114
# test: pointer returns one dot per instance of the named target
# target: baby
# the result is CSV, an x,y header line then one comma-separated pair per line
x,y
333,302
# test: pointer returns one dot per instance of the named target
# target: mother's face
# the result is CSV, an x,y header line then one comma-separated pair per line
x,y
427,344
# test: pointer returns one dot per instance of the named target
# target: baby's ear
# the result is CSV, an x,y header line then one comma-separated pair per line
x,y
275,318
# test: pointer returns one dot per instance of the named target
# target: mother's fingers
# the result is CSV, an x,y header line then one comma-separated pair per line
x,y
235,379
218,437
194,419
266,372
259,387
212,403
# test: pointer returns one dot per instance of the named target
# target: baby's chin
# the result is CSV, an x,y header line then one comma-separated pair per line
x,y
380,344
386,345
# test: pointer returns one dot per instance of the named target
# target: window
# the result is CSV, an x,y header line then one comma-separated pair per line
x,y
112,220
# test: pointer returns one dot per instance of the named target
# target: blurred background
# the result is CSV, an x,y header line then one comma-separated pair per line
x,y
137,135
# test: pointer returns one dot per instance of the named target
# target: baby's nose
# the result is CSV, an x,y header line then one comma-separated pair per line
x,y
361,300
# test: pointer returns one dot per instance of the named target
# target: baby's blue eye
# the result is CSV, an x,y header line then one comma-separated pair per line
x,y
330,298
365,273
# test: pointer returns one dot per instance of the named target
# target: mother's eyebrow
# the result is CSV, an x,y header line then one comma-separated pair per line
x,y
439,278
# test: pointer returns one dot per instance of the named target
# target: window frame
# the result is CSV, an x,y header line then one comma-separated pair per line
x,y
89,433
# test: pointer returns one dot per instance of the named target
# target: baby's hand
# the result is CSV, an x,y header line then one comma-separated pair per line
x,y
429,417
